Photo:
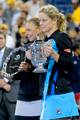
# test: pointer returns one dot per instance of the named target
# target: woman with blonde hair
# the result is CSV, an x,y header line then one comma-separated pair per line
x,y
53,24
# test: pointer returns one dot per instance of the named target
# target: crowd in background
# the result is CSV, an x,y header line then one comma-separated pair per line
x,y
14,13
13,18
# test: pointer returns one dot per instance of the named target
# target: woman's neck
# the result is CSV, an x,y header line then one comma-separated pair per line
x,y
51,31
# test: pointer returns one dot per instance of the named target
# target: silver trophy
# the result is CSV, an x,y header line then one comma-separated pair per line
x,y
13,61
37,56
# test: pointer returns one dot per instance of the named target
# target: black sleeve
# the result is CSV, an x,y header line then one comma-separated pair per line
x,y
65,61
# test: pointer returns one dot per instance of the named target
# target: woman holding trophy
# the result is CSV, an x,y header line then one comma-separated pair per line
x,y
60,62
29,99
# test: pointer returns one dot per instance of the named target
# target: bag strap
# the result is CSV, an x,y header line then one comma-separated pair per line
x,y
50,66
52,82
52,79
48,75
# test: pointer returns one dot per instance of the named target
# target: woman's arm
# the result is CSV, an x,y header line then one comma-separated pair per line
x,y
65,60
64,56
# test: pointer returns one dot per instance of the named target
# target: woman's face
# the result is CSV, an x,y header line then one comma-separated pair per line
x,y
32,31
46,23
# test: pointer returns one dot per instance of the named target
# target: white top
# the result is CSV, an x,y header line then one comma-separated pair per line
x,y
1,55
32,108
10,41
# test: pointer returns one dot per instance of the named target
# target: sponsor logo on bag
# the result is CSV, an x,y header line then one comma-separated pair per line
x,y
58,111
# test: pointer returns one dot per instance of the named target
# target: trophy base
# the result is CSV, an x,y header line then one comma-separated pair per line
x,y
39,70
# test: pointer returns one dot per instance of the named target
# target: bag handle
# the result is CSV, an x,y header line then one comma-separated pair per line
x,y
50,66
46,83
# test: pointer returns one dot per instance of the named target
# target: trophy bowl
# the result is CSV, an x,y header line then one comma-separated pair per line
x,y
37,56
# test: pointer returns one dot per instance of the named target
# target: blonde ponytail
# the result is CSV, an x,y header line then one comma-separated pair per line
x,y
62,23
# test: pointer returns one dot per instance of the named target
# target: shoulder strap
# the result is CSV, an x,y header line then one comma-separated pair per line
x,y
46,84
52,82
50,66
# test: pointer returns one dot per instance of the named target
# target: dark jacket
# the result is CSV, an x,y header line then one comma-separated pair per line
x,y
12,95
30,85
64,64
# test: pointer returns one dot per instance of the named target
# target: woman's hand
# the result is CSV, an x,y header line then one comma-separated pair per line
x,y
47,50
24,66
28,54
